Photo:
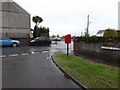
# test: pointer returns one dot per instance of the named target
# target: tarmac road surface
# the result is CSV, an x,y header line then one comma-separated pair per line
x,y
33,69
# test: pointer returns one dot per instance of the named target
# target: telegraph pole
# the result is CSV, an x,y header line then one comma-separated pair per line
x,y
87,29
87,25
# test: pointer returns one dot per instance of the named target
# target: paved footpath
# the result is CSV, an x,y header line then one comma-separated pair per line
x,y
33,71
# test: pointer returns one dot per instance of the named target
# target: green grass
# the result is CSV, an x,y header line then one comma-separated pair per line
x,y
92,75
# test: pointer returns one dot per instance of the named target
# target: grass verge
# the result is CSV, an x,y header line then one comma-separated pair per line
x,y
90,74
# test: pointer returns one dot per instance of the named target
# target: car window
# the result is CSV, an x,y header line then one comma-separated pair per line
x,y
46,38
36,38
42,38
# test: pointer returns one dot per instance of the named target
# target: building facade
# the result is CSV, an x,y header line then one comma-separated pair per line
x,y
100,33
14,20
119,15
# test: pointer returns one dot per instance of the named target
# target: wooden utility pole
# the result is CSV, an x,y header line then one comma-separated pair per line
x,y
87,29
87,25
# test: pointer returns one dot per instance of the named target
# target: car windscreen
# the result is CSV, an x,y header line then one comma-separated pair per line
x,y
43,38
36,38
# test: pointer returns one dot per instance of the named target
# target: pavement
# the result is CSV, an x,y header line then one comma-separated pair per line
x,y
32,67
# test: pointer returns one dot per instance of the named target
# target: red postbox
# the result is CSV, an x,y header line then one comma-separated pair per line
x,y
67,41
68,38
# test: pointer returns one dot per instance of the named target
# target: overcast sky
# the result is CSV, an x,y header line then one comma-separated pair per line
x,y
70,16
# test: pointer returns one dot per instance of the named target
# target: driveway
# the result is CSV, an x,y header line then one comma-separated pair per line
x,y
32,67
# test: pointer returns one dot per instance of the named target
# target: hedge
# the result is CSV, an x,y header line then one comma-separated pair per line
x,y
110,33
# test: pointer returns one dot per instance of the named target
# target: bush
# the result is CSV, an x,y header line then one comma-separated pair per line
x,y
118,33
92,39
77,39
110,33
86,39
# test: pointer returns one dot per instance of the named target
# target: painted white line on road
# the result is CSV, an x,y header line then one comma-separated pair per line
x,y
13,55
2,56
25,54
53,50
32,52
37,52
45,51
53,45
71,49
50,51
48,57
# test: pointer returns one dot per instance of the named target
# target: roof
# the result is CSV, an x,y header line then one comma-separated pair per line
x,y
11,6
100,32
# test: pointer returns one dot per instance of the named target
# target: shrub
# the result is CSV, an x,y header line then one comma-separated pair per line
x,y
77,39
92,39
110,33
118,33
86,39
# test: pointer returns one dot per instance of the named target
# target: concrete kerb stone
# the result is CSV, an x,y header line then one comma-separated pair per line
x,y
68,76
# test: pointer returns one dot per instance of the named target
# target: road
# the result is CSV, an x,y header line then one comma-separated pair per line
x,y
61,46
32,67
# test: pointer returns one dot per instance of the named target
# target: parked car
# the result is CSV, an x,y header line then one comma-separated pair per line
x,y
40,41
4,41
56,39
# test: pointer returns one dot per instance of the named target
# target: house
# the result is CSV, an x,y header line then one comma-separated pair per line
x,y
100,33
14,20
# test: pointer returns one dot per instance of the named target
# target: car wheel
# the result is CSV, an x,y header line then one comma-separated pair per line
x,y
14,44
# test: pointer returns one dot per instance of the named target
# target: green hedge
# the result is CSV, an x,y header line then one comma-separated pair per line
x,y
92,39
118,33
110,33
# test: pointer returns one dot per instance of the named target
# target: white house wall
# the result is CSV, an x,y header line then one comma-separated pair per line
x,y
15,21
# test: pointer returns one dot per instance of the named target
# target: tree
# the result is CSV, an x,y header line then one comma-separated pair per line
x,y
58,36
53,36
37,20
35,31
41,31
44,31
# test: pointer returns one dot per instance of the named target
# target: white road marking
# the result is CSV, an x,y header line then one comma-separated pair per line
x,y
32,52
53,50
53,45
48,57
24,54
44,51
2,56
37,52
71,49
13,55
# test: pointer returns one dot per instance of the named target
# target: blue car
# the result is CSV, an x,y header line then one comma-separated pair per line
x,y
9,42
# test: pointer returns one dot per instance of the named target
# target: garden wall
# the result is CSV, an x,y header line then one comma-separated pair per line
x,y
94,50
